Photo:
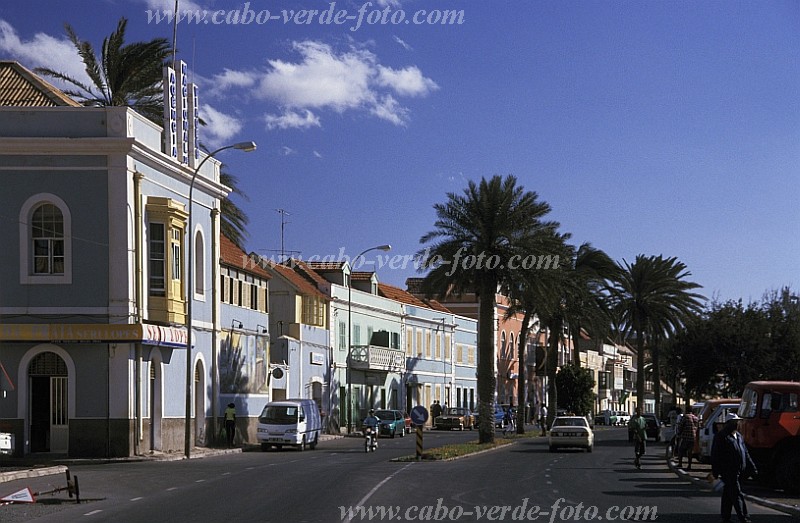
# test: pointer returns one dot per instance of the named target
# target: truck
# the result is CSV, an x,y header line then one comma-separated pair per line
x,y
770,427
710,424
293,422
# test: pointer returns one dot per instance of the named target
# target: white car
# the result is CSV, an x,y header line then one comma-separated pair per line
x,y
623,418
571,431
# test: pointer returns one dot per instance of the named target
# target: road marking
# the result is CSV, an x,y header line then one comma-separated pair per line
x,y
249,468
136,499
199,480
171,488
225,473
92,513
363,500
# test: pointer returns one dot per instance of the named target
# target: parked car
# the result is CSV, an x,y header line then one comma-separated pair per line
x,y
499,417
455,418
392,423
571,431
709,427
292,422
653,427
623,417
606,417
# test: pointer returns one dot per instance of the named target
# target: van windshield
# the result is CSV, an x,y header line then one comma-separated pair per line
x,y
279,415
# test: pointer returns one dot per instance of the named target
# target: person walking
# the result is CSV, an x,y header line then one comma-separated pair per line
x,y
637,425
230,423
543,419
687,435
436,411
731,462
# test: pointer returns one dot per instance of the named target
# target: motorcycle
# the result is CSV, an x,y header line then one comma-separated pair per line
x,y
370,439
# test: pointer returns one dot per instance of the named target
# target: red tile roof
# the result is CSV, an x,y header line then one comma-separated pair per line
x,y
361,275
398,294
326,266
300,283
308,272
231,255
21,87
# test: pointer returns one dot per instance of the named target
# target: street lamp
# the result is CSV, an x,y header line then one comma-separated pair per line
x,y
242,146
386,247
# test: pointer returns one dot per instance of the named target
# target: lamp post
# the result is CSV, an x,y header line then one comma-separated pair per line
x,y
242,146
386,247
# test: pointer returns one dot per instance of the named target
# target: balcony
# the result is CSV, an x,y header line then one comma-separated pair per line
x,y
371,357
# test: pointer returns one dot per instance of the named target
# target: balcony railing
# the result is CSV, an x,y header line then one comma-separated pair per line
x,y
371,357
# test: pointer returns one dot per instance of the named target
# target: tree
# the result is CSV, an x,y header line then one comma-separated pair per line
x,y
476,236
575,386
132,76
533,292
123,75
652,298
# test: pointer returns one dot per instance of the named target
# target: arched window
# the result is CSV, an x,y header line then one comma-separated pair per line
x,y
511,344
45,240
502,343
47,234
199,265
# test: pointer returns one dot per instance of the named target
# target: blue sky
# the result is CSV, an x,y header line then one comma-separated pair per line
x,y
650,127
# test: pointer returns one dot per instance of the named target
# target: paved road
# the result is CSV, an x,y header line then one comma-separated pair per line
x,y
317,486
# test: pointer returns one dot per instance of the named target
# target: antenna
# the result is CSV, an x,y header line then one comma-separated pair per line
x,y
175,34
283,214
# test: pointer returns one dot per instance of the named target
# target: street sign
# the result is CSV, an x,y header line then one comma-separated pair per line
x,y
22,496
419,415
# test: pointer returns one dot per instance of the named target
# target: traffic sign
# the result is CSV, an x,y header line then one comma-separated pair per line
x,y
22,496
419,415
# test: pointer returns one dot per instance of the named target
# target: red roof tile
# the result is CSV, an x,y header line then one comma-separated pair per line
x,y
231,255
361,275
326,266
300,283
305,270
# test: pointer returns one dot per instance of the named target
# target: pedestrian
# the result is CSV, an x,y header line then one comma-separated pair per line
x,y
638,426
509,424
543,419
731,462
230,423
687,435
436,411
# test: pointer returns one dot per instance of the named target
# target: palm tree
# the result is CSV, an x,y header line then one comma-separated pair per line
x,y
652,299
535,294
476,234
123,75
131,76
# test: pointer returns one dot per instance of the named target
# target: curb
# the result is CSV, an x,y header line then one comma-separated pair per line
x,y
32,473
781,507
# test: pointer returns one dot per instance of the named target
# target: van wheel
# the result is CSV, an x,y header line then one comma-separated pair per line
x,y
313,445
302,446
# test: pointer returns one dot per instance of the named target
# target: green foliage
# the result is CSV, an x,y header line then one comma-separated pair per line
x,y
494,221
731,344
575,386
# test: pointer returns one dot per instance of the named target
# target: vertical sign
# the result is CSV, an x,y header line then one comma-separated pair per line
x,y
194,125
170,114
183,113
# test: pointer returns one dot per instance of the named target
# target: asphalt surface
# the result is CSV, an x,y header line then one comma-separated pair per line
x,y
330,483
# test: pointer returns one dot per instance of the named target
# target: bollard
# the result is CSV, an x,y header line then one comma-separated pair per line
x,y
419,442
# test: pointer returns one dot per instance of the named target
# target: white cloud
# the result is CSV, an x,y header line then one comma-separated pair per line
x,y
292,120
405,82
322,79
317,154
169,5
325,78
219,127
388,109
43,51
403,43
287,151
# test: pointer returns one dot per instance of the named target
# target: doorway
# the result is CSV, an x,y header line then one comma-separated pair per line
x,y
49,424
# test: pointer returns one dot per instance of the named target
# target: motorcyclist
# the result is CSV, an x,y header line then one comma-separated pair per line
x,y
372,420
371,424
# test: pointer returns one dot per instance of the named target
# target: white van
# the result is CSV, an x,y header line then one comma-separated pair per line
x,y
710,426
294,422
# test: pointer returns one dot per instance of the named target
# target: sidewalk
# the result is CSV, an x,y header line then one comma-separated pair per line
x,y
754,492
37,465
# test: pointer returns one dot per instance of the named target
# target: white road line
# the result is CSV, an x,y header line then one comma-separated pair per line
x,y
225,473
171,488
375,489
199,481
92,513
136,499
